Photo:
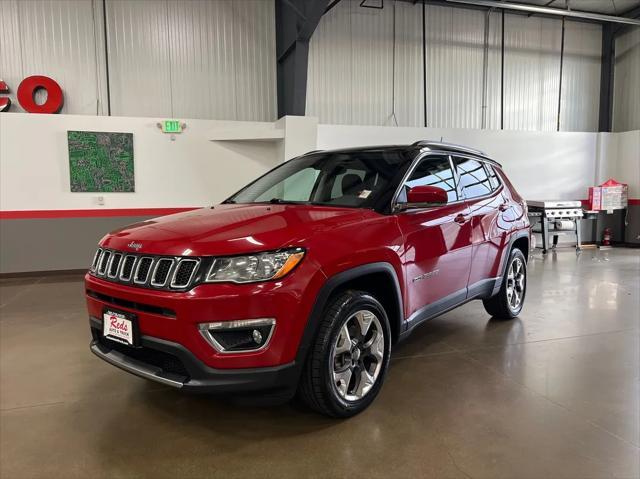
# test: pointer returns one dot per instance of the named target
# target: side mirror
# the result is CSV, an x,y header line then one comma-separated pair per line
x,y
421,196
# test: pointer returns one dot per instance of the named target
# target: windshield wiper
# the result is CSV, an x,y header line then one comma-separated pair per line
x,y
280,201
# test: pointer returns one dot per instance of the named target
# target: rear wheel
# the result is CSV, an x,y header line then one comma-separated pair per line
x,y
349,357
509,301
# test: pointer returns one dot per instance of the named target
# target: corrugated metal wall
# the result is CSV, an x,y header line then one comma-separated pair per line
x,y
626,99
579,110
212,59
57,39
216,59
455,52
351,61
196,59
531,72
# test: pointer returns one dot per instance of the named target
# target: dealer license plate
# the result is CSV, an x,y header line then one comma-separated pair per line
x,y
118,327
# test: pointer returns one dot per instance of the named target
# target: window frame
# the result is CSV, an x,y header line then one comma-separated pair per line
x,y
490,169
395,205
380,205
484,164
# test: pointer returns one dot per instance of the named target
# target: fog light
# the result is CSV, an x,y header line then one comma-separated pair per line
x,y
246,335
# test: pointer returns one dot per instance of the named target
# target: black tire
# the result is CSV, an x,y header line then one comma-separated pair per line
x,y
499,306
317,388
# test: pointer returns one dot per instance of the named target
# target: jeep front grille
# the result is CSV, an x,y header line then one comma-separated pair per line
x,y
149,271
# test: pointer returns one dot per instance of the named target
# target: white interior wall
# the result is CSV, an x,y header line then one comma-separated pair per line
x,y
541,165
626,161
188,172
172,58
626,79
193,170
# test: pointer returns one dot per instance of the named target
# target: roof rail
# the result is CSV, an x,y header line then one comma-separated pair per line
x,y
449,146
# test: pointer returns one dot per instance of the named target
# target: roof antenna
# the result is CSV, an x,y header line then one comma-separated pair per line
x,y
441,139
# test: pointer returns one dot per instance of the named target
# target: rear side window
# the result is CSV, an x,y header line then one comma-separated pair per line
x,y
493,178
432,171
473,177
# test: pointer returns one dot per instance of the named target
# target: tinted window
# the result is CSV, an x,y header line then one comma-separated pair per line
x,y
432,171
353,178
473,177
493,178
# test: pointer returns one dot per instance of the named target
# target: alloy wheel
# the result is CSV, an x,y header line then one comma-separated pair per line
x,y
516,279
357,355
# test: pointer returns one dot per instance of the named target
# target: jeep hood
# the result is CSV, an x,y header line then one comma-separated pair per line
x,y
231,229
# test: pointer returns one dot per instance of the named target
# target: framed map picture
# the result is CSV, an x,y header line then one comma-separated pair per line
x,y
101,162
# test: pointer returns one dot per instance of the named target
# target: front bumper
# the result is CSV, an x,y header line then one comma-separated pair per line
x,y
176,316
171,364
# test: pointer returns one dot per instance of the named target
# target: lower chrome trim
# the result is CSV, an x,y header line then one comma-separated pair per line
x,y
132,366
207,328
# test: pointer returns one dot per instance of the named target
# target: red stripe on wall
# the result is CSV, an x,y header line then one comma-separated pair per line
x,y
101,213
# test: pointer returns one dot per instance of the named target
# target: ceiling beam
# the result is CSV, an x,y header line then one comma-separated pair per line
x,y
547,11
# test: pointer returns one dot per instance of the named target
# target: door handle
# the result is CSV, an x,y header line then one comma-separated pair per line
x,y
460,219
503,207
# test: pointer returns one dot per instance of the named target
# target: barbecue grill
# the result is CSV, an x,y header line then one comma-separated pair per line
x,y
556,218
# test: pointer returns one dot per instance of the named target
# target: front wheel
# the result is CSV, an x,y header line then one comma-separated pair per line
x,y
349,357
509,301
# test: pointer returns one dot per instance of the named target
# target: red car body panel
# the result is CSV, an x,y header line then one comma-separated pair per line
x,y
435,253
435,244
223,231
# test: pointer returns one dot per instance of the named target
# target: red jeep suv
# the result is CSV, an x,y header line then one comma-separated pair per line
x,y
305,279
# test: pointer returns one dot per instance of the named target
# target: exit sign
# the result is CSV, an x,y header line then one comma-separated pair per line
x,y
172,126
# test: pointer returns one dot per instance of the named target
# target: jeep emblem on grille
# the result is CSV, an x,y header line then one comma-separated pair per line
x,y
134,245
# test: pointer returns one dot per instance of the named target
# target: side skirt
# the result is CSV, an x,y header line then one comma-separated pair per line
x,y
480,290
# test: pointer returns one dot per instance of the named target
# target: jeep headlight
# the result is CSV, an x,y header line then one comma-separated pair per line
x,y
254,267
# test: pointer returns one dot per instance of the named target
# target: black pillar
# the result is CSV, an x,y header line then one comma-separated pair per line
x,y
296,20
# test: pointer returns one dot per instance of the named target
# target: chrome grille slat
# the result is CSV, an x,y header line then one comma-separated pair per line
x,y
104,262
161,272
143,269
128,265
146,271
177,281
114,265
96,259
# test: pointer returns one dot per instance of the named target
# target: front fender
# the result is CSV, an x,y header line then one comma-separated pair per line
x,y
333,283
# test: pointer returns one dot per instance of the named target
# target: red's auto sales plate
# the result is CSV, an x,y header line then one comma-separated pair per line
x,y
117,327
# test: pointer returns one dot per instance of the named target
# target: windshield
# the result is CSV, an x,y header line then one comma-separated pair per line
x,y
360,179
